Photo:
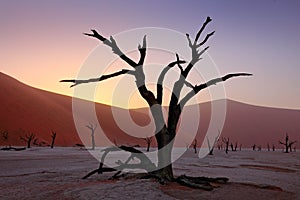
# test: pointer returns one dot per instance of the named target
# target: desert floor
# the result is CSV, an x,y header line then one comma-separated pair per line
x,y
43,173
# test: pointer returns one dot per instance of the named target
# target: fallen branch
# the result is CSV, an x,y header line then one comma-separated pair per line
x,y
13,148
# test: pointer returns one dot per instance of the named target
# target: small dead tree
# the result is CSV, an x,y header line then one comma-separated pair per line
x,y
235,146
195,145
211,147
287,144
35,142
259,148
4,135
226,142
231,146
148,140
92,128
268,146
254,147
53,136
273,147
28,138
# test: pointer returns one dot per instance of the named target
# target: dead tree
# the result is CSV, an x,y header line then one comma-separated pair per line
x,y
231,146
165,129
148,140
211,147
28,138
4,135
195,145
92,128
53,136
268,146
235,146
254,147
35,142
259,148
273,147
226,142
287,144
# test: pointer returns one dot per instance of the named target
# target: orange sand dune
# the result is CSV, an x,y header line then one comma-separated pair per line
x,y
26,109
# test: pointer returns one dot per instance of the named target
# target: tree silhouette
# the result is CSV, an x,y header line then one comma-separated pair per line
x,y
165,130
148,140
287,144
211,147
4,135
28,138
53,136
195,145
226,142
92,128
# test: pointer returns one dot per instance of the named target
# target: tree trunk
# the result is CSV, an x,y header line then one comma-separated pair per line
x,y
148,147
93,142
165,145
29,143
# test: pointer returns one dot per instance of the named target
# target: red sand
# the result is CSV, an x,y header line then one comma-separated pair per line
x,y
25,109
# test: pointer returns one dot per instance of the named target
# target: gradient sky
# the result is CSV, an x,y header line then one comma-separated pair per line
x,y
42,41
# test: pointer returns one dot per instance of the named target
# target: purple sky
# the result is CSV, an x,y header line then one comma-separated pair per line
x,y
41,41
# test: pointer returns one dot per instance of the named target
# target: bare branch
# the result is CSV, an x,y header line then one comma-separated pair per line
x,y
142,51
112,43
101,78
188,84
189,40
194,47
208,19
162,76
205,39
173,105
198,88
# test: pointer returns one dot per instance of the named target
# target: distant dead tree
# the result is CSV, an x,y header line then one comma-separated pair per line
x,y
287,144
259,148
4,135
273,147
92,128
211,147
53,136
195,145
28,138
226,142
35,142
268,146
231,146
254,147
148,140
221,146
